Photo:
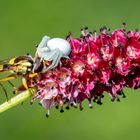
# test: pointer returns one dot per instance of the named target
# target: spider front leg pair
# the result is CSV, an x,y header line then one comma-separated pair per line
x,y
55,58
52,50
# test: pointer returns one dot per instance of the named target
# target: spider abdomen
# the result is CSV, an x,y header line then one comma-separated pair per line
x,y
59,43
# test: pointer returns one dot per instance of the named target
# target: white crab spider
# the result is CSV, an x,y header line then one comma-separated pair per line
x,y
52,50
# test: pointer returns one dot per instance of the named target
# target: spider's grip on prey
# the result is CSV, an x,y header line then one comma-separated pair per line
x,y
52,50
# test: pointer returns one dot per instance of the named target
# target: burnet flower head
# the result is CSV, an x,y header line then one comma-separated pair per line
x,y
107,62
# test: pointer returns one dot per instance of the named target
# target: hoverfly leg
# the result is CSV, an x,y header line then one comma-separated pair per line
x,y
5,92
24,82
7,78
15,89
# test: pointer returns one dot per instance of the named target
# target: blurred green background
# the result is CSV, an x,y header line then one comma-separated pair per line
x,y
22,25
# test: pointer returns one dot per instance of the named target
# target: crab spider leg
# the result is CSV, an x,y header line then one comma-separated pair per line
x,y
42,51
60,63
50,55
53,62
58,60
66,57
43,42
42,46
37,65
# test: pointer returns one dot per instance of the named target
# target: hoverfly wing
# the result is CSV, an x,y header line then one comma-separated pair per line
x,y
5,61
24,58
4,65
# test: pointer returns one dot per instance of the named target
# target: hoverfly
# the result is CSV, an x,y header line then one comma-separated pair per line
x,y
21,66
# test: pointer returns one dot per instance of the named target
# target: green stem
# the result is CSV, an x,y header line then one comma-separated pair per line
x,y
17,99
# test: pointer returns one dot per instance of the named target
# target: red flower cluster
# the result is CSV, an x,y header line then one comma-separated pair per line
x,y
104,63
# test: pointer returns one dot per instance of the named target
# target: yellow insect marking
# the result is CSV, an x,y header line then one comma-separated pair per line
x,y
1,67
19,68
32,75
11,62
7,79
24,63
24,83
